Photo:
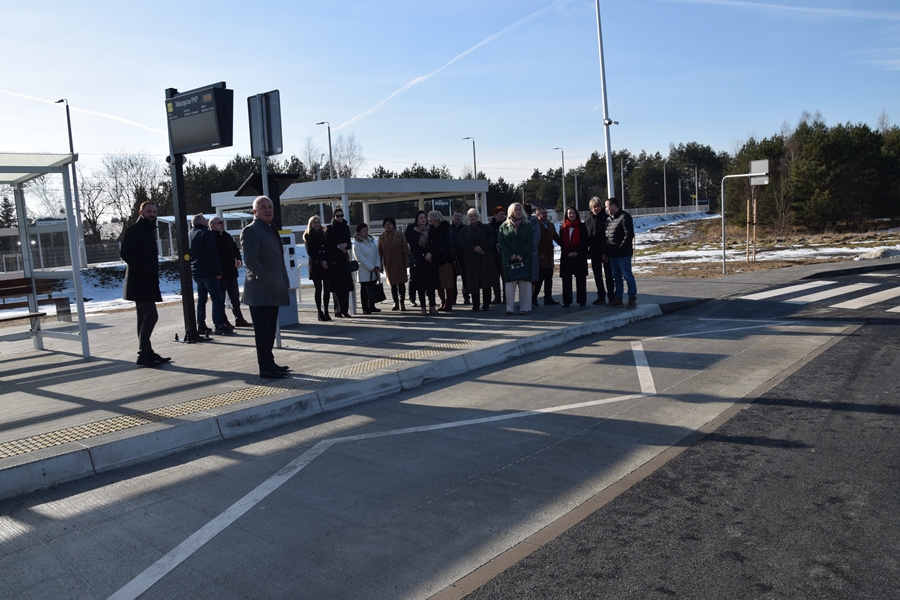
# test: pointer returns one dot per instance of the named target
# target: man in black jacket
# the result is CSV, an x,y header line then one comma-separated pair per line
x,y
596,228
230,257
619,250
206,270
139,251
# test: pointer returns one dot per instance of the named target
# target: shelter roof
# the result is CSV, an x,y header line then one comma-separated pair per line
x,y
19,168
371,190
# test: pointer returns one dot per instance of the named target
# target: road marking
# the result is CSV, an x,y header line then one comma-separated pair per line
x,y
185,549
870,299
880,275
643,368
847,289
788,290
895,309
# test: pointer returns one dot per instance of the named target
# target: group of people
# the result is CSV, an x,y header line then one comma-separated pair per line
x,y
510,260
515,248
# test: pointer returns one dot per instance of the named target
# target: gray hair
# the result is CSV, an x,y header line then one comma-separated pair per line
x,y
473,211
198,219
436,215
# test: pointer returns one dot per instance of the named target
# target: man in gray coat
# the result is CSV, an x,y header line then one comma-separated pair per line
x,y
266,284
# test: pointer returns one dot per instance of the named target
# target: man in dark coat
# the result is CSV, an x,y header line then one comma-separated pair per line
x,y
206,270
459,266
230,257
596,228
544,243
266,284
619,250
140,253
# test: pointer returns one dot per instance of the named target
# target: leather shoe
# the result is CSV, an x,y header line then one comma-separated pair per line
x,y
550,302
598,302
272,374
280,368
616,301
147,361
158,358
242,323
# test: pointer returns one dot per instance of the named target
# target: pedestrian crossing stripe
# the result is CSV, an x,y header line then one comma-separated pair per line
x,y
880,275
847,289
864,301
785,291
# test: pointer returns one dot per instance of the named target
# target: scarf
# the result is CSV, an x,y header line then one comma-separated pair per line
x,y
423,236
572,236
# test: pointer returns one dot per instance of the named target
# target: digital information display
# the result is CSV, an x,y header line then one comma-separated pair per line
x,y
201,119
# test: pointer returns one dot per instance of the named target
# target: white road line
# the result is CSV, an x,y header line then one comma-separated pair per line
x,y
864,301
880,275
847,289
788,290
895,309
185,549
730,329
643,368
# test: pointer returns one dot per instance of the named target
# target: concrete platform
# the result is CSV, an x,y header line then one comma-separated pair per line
x,y
63,417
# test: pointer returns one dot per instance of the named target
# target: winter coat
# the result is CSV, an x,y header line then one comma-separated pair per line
x,y
517,241
545,245
578,265
480,269
140,253
266,283
423,274
365,252
619,235
228,253
341,278
204,251
318,249
536,233
443,243
394,250
596,228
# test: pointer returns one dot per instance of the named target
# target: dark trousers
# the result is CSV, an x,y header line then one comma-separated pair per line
x,y
603,274
566,271
265,325
341,302
398,292
231,290
323,291
459,269
147,316
545,278
365,298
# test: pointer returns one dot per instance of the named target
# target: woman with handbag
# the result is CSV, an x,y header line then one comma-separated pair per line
x,y
477,242
340,246
422,266
394,251
572,239
365,251
318,250
516,239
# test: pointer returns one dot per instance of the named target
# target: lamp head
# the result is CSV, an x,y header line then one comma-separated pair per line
x,y
61,100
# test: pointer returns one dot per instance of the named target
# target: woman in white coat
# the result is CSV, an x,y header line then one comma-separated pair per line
x,y
365,252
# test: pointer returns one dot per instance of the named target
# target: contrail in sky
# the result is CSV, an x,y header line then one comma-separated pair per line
x,y
880,15
453,60
90,112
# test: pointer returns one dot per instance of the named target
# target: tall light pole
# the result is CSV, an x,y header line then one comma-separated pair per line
x,y
330,156
562,152
610,178
78,224
665,192
474,163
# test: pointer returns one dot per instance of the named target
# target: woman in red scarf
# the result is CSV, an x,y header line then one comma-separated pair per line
x,y
572,238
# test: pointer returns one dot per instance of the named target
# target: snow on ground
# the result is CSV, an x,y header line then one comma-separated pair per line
x,y
102,284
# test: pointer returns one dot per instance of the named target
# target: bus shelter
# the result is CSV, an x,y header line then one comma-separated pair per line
x,y
16,170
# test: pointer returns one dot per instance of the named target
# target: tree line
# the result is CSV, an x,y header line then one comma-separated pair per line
x,y
820,176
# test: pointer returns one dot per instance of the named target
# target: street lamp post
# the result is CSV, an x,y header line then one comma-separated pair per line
x,y
696,188
562,152
610,178
330,156
78,223
474,162
665,194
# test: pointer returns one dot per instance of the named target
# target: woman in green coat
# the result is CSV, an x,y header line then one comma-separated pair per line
x,y
516,238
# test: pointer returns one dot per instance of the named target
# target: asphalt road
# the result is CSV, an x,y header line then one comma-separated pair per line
x,y
794,497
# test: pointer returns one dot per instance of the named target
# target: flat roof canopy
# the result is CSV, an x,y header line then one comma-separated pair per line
x,y
368,190
16,169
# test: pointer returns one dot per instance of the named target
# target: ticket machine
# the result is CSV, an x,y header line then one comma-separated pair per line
x,y
287,315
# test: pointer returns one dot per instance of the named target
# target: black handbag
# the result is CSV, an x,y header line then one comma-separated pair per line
x,y
376,291
352,265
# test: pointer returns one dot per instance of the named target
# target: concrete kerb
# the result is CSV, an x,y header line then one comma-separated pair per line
x,y
73,461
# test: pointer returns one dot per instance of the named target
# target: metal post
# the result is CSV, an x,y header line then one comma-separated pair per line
x,y
576,191
610,179
723,208
79,229
622,164
563,153
474,162
665,191
330,155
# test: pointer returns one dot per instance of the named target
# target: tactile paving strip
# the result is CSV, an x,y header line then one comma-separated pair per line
x,y
114,424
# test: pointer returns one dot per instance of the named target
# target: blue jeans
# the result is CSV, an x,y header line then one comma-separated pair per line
x,y
621,269
212,288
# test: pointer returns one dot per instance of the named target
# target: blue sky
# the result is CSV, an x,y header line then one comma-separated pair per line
x,y
411,79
